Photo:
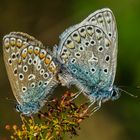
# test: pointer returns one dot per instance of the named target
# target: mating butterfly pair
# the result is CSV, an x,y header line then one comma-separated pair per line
x,y
86,57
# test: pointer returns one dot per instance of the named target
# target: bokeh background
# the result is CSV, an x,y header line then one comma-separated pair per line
x,y
46,20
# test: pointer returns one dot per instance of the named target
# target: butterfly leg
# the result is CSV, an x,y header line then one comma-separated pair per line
x,y
96,108
32,118
92,103
76,95
22,117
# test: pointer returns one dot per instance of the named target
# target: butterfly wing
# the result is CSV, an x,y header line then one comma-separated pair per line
x,y
105,19
30,67
88,51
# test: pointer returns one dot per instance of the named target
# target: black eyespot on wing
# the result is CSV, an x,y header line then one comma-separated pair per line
x,y
107,58
110,34
98,30
75,35
92,42
15,71
82,30
105,70
69,41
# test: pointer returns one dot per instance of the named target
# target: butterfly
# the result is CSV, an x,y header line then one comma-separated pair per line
x,y
88,55
31,71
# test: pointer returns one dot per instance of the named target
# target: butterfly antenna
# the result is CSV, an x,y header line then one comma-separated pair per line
x,y
128,93
8,99
13,101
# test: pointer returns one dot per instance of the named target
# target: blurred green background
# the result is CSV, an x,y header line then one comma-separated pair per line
x,y
46,20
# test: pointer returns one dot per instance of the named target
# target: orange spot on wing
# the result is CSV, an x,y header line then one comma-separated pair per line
x,y
24,55
36,52
41,55
52,69
30,51
47,61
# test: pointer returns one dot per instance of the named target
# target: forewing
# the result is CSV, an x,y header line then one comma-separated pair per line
x,y
105,19
30,67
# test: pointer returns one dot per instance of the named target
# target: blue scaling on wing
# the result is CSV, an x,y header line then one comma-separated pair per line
x,y
31,71
88,54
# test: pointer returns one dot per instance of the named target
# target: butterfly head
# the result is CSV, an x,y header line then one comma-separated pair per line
x,y
115,94
28,109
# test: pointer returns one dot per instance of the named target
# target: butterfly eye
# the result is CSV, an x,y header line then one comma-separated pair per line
x,y
17,107
114,94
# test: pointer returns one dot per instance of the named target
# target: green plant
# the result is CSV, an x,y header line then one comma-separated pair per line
x,y
60,117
